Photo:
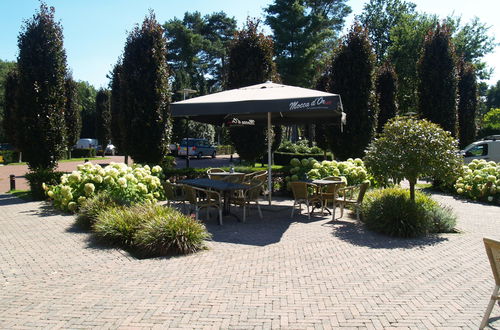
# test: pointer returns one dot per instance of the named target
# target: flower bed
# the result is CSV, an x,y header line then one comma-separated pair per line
x,y
480,181
123,183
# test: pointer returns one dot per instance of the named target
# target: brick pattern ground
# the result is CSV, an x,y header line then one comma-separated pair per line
x,y
262,274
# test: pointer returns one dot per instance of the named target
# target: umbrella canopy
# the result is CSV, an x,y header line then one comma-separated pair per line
x,y
262,103
250,105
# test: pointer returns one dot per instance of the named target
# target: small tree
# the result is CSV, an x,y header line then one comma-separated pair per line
x,y
41,98
250,62
72,113
386,92
409,148
117,120
103,114
144,96
351,77
467,104
437,89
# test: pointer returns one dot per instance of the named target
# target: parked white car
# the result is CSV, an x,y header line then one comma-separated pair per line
x,y
87,144
487,149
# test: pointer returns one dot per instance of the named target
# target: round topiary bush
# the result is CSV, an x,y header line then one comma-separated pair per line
x,y
390,211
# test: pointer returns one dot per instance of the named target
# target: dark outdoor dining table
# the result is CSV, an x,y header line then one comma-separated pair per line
x,y
320,183
225,187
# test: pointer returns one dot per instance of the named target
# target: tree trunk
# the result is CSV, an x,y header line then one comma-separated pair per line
x,y
126,159
412,188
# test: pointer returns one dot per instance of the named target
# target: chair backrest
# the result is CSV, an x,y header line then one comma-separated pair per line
x,y
235,178
190,194
332,188
493,252
169,190
299,190
254,192
215,170
362,190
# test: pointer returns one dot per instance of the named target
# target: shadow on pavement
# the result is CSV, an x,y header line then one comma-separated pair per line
x,y
354,232
8,199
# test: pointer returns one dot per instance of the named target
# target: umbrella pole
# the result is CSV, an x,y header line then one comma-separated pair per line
x,y
269,160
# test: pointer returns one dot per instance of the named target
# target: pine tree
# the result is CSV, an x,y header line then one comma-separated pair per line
x,y
351,77
437,88
386,86
41,102
250,62
467,104
144,93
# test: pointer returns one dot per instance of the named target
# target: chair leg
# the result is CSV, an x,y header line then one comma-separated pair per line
x,y
334,207
293,208
490,307
258,208
196,211
342,210
308,212
220,215
244,212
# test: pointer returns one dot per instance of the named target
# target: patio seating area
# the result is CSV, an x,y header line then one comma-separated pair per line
x,y
274,272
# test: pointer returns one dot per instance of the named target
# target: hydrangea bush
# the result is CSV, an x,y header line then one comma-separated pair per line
x,y
480,181
353,170
127,184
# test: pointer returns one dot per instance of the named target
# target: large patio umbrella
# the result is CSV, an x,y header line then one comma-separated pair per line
x,y
261,103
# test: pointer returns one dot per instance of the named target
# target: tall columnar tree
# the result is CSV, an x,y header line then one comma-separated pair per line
x,y
42,72
467,104
5,68
10,122
72,115
103,116
145,94
303,31
493,96
437,73
86,94
351,77
250,62
386,86
117,117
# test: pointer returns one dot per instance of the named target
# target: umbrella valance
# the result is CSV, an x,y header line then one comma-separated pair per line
x,y
286,104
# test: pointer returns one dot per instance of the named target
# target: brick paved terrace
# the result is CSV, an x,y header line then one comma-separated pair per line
x,y
271,273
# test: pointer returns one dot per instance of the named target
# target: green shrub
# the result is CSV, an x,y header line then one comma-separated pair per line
x,y
168,231
480,181
38,178
90,208
119,224
134,184
9,156
390,211
83,153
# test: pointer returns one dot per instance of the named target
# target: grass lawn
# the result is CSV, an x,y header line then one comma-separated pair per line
x,y
23,194
67,160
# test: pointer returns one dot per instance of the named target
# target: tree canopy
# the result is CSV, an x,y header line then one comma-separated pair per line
x,y
5,68
410,149
303,31
72,115
386,87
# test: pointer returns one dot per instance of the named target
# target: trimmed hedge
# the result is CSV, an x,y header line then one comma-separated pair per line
x,y
82,153
283,158
9,156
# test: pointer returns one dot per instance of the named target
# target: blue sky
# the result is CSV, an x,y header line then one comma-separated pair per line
x,y
95,30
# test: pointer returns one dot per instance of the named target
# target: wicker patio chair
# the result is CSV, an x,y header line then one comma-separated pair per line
x,y
301,194
199,198
330,192
249,195
174,193
347,197
493,252
215,170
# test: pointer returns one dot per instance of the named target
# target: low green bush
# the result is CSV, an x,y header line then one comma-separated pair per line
x,y
390,211
38,178
284,158
83,153
91,207
167,231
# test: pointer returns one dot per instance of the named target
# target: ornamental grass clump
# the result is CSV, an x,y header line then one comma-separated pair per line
x,y
150,230
168,231
90,208
135,184
480,181
353,171
391,211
